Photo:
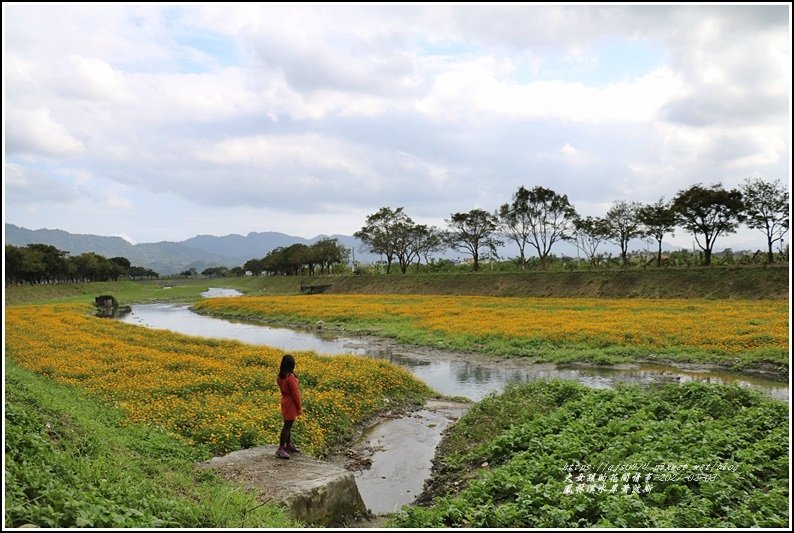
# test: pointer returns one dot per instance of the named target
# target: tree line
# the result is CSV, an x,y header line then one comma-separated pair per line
x,y
44,263
317,258
299,258
535,219
540,217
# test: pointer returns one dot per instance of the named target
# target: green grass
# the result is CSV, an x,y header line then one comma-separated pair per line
x,y
505,463
70,463
748,282
125,292
165,290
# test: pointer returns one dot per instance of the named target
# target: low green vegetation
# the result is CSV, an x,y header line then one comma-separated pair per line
x,y
703,455
739,282
125,292
69,462
736,282
165,290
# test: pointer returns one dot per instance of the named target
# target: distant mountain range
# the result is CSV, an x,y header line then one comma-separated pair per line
x,y
167,257
204,251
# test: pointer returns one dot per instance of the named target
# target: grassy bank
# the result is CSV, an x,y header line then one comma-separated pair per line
x,y
166,290
125,292
711,283
693,456
71,461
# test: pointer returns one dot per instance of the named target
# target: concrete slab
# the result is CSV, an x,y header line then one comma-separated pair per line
x,y
314,491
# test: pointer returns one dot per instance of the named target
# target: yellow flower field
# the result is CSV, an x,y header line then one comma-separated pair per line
x,y
219,393
721,327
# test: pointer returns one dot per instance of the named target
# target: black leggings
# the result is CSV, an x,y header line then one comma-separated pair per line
x,y
286,433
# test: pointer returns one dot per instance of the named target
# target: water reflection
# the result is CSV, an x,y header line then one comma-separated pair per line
x,y
179,318
215,292
473,378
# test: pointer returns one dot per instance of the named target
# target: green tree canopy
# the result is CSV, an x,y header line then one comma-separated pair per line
x,y
624,225
658,219
515,222
708,212
767,209
549,218
590,233
473,232
384,233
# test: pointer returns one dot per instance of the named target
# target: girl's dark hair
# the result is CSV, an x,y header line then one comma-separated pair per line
x,y
287,366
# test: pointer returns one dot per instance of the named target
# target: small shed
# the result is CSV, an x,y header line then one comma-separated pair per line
x,y
107,301
314,289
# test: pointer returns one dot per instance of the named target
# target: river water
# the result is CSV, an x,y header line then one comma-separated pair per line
x,y
401,450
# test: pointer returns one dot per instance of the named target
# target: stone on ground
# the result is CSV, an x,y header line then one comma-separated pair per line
x,y
314,491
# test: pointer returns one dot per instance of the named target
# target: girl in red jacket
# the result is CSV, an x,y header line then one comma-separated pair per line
x,y
290,404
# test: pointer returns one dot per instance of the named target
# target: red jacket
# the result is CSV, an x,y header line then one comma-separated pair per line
x,y
290,397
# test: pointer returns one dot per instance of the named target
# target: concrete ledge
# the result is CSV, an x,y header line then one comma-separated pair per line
x,y
314,491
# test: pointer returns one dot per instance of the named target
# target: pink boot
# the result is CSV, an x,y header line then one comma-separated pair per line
x,y
281,452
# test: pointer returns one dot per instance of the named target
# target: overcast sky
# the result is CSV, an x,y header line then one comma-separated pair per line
x,y
164,122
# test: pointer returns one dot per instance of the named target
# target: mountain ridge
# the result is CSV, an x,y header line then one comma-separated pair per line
x,y
205,251
170,257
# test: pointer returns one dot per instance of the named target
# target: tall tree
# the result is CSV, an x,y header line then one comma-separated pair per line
x,y
381,233
330,252
56,264
13,261
474,231
766,206
708,212
550,218
215,272
590,233
624,225
425,241
658,219
254,266
120,267
92,267
404,232
294,257
24,264
514,222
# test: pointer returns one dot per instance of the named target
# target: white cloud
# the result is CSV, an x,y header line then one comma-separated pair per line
x,y
35,131
91,78
27,187
475,88
317,112
567,149
312,172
